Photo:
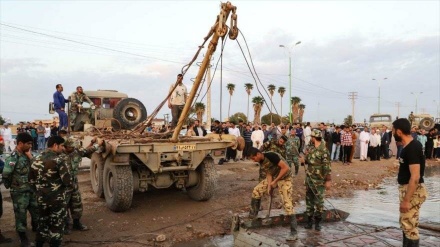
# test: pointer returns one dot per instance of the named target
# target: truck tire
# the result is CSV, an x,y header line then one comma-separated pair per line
x,y
426,123
207,181
96,174
118,187
129,112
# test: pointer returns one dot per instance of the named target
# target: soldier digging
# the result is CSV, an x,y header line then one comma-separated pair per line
x,y
277,175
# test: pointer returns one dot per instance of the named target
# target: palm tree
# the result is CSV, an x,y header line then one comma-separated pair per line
x,y
301,112
281,91
231,88
271,89
258,106
295,108
249,87
200,110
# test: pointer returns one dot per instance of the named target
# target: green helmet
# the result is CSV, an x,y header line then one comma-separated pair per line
x,y
316,133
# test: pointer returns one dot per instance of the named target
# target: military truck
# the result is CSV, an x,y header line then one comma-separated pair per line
x,y
380,119
423,121
135,160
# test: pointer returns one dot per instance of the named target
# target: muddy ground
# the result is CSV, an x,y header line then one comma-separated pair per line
x,y
172,215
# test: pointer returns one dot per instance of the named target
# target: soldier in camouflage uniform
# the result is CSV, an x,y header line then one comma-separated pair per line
x,y
50,178
73,158
292,153
15,176
277,175
318,178
76,101
276,146
3,239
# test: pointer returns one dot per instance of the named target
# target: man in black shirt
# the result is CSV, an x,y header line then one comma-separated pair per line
x,y
199,129
412,191
277,175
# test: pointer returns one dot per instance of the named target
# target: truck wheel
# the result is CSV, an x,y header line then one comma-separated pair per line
x,y
118,187
96,174
129,112
426,123
207,176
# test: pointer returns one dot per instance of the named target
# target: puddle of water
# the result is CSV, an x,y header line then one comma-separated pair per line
x,y
374,207
381,207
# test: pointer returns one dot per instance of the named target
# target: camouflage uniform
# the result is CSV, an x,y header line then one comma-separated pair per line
x,y
409,221
50,177
292,153
73,160
284,184
271,146
15,177
411,118
77,99
318,167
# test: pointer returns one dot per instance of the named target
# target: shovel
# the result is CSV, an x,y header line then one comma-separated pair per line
x,y
268,221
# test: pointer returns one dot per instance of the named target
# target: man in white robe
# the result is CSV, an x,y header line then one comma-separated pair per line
x,y
364,139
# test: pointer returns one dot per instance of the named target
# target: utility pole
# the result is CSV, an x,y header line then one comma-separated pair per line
x,y
398,109
352,96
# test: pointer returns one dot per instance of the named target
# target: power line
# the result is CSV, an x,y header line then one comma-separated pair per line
x,y
87,44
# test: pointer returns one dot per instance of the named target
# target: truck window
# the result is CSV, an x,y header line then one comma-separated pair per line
x,y
110,103
380,119
96,101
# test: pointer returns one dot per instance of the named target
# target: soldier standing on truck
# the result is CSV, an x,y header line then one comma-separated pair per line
x,y
411,118
318,178
177,99
76,100
73,159
277,175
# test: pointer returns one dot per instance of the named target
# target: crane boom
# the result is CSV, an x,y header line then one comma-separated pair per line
x,y
218,30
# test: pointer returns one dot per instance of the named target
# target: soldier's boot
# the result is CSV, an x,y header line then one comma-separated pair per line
x,y
55,243
24,241
39,243
409,242
293,231
296,170
255,207
34,226
317,221
3,239
67,230
77,225
309,222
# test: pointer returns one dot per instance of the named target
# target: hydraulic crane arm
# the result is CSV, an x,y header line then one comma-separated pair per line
x,y
218,30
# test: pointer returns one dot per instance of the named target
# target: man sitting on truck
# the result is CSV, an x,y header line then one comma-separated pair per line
x,y
77,99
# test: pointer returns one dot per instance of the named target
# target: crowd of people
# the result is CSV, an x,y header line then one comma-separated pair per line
x,y
39,132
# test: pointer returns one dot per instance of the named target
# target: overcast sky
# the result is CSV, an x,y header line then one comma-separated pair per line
x,y
138,47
